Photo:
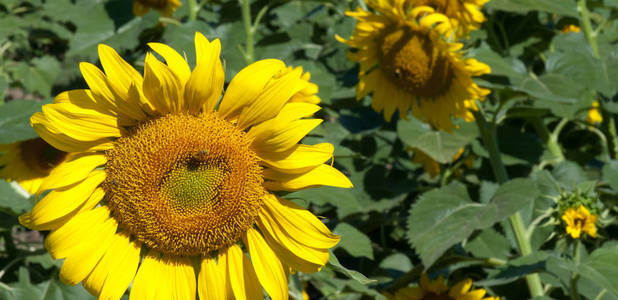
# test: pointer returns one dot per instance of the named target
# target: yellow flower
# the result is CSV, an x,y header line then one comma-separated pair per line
x,y
29,162
170,181
430,166
570,28
437,289
165,7
465,15
579,220
407,61
594,116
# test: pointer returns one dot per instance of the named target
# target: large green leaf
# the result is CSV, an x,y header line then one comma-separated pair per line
x,y
39,75
51,289
353,241
441,146
443,217
15,120
334,264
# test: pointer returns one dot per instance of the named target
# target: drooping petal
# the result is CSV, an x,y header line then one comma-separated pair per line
x,y
320,175
267,265
211,280
115,271
164,278
301,158
81,124
48,132
174,61
241,276
162,87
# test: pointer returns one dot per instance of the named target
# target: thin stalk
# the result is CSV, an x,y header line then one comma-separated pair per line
x,y
249,30
194,8
584,19
575,276
488,134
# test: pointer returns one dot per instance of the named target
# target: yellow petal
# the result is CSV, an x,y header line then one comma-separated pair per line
x,y
293,253
115,271
299,223
280,138
84,99
65,241
48,131
272,99
74,169
247,85
239,275
164,278
206,82
161,86
211,280
174,61
267,265
300,159
87,252
61,202
320,175
81,124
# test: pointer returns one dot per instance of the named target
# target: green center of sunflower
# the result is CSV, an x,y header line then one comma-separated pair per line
x,y
184,185
412,61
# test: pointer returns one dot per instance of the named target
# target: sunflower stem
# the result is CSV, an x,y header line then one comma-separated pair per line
x,y
194,8
249,29
489,137
584,18
575,276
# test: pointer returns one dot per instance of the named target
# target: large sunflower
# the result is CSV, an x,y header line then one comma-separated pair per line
x,y
29,162
437,289
170,182
465,15
407,61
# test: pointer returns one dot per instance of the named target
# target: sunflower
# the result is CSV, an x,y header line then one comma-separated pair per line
x,y
430,166
465,15
570,28
29,162
407,61
165,7
579,220
594,116
437,289
169,181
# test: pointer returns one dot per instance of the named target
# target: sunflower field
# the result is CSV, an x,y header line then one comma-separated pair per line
x,y
309,149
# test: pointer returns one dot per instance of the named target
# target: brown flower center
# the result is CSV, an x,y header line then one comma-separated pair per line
x,y
412,61
39,156
184,185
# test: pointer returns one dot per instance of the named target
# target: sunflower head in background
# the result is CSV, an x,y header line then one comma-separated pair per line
x,y
438,289
29,162
169,181
165,7
465,15
408,61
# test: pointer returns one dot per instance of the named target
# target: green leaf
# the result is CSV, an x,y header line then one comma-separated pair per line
x,y
15,120
601,267
441,146
397,261
335,265
489,244
510,67
39,75
610,174
353,241
13,199
443,217
52,289
561,7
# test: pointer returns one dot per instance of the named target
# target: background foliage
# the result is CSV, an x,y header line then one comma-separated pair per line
x,y
398,220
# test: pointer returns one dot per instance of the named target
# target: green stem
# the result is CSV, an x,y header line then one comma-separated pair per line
x,y
488,134
249,29
550,139
584,18
575,275
612,141
193,10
